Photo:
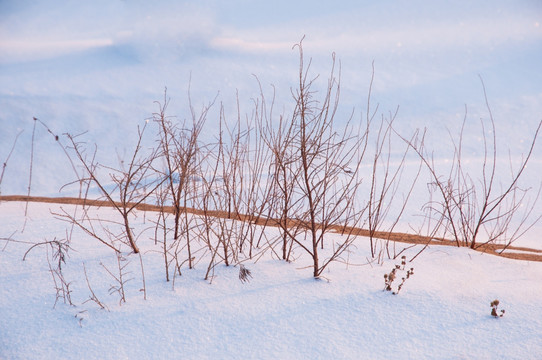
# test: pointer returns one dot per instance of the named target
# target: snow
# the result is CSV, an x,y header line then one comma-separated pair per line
x,y
442,311
98,68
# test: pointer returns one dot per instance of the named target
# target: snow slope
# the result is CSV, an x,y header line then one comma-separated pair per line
x,y
442,312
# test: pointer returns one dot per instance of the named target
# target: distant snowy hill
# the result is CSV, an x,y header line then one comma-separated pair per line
x,y
98,68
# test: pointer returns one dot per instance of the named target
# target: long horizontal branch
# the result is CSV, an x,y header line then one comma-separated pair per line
x,y
528,254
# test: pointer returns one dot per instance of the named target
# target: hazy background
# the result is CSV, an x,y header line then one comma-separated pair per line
x,y
98,67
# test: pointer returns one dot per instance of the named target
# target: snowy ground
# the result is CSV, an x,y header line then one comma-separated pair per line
x,y
98,67
442,312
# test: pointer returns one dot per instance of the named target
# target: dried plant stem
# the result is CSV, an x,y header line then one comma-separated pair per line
x,y
5,164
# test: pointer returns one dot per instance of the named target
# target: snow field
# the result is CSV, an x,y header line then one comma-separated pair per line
x,y
442,311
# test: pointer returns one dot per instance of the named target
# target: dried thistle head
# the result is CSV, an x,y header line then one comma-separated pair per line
x,y
391,276
494,306
244,273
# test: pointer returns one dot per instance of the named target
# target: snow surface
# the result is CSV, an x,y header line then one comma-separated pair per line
x,y
98,67
442,312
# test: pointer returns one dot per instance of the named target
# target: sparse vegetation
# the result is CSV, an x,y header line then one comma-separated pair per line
x,y
244,274
57,254
474,209
298,172
395,273
6,161
121,277
495,309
